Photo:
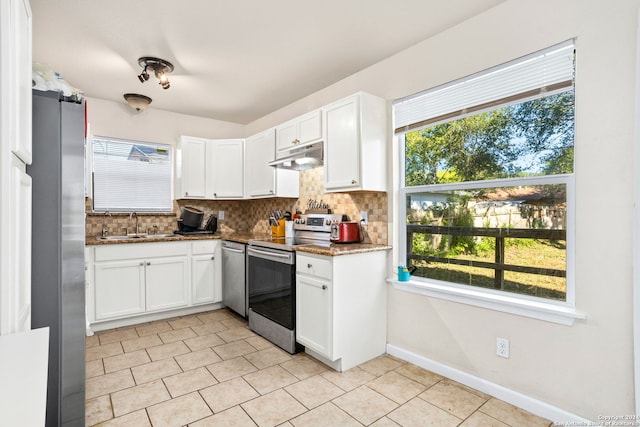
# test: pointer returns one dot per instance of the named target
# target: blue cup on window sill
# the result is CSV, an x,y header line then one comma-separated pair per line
x,y
404,273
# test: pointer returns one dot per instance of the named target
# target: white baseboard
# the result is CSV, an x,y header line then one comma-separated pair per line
x,y
536,407
149,317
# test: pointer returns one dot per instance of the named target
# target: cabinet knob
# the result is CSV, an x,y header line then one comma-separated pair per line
x,y
142,263
353,181
295,141
213,257
215,194
309,265
148,263
324,286
186,193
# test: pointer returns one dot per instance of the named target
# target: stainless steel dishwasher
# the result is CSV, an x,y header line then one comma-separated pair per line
x,y
234,284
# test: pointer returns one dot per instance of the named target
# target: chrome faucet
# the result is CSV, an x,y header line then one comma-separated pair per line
x,y
105,227
132,214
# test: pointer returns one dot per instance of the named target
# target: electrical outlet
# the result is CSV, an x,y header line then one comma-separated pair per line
x,y
220,215
364,217
502,347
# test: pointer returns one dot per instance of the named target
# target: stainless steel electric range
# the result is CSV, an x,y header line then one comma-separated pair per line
x,y
271,277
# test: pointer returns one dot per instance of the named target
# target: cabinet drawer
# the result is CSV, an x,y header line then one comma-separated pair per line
x,y
314,265
204,246
140,250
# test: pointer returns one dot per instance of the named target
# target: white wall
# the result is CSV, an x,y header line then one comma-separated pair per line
x,y
118,120
587,368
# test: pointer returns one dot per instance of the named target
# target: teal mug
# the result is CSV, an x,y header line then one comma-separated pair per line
x,y
404,273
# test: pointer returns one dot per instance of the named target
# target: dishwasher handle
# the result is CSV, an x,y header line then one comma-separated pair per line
x,y
238,251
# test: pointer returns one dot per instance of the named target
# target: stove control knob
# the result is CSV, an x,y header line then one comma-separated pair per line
x,y
301,220
296,221
327,222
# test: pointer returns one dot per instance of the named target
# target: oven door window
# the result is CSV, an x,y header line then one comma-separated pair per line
x,y
271,290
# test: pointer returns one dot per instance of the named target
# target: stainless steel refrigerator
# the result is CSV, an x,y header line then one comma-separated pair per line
x,y
57,276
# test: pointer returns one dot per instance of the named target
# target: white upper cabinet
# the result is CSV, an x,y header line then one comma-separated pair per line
x,y
16,85
355,135
260,177
210,168
225,169
299,131
192,168
262,180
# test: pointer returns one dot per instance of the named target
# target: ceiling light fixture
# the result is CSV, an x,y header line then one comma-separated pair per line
x,y
160,68
137,101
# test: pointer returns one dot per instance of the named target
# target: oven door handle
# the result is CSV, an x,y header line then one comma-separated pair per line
x,y
272,254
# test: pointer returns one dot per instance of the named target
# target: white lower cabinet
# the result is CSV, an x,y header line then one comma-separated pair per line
x,y
314,323
119,288
206,281
341,307
166,283
131,280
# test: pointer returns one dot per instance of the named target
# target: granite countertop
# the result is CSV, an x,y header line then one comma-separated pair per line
x,y
245,236
93,240
334,249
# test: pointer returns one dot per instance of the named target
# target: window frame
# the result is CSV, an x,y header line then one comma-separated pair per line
x,y
91,163
556,311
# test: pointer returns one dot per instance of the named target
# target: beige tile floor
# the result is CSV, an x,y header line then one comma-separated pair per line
x,y
209,369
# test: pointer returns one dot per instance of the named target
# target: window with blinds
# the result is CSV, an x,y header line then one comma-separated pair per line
x,y
537,75
131,176
488,178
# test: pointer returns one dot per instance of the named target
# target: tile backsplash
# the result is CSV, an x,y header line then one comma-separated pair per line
x,y
252,215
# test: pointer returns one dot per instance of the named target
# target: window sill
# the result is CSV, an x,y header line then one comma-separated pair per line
x,y
550,312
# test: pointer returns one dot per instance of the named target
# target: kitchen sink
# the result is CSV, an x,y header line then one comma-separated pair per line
x,y
119,237
138,236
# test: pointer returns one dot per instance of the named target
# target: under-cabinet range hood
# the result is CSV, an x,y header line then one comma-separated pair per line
x,y
300,158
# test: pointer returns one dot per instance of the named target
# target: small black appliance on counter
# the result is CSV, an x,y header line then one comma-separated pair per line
x,y
190,222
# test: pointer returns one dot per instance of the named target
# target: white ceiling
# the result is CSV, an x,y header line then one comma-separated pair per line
x,y
235,60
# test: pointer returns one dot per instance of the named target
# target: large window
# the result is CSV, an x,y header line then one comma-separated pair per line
x,y
488,178
131,176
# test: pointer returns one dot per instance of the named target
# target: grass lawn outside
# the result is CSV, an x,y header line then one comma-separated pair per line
x,y
536,253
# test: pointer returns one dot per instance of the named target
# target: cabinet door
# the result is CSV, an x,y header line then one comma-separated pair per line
x,y
193,167
310,127
286,136
16,304
225,169
342,144
203,279
21,79
119,288
259,151
166,283
314,314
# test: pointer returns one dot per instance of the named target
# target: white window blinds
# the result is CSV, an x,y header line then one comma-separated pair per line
x,y
131,176
539,74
